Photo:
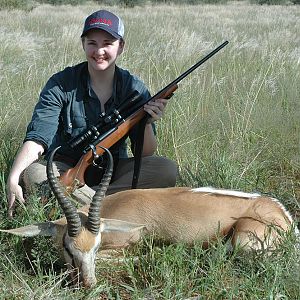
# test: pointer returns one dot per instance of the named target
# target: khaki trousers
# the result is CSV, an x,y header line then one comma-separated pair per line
x,y
156,172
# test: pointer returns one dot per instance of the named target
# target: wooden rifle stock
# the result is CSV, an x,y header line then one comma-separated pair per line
x,y
74,177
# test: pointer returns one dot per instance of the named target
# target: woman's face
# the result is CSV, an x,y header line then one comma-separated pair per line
x,y
101,49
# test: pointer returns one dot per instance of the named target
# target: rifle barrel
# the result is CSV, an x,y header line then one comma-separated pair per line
x,y
192,68
76,174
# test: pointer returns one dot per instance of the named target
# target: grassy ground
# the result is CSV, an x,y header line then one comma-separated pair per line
x,y
233,123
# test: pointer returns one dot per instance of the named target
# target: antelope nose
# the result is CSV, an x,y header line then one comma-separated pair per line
x,y
89,282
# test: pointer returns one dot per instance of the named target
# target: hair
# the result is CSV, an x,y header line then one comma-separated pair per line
x,y
83,36
122,41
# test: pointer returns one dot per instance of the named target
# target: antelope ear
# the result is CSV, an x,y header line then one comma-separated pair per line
x,y
108,225
44,229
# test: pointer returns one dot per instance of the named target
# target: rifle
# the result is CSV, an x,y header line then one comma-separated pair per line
x,y
116,128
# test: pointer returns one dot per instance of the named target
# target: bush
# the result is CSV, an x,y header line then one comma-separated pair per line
x,y
17,4
124,3
133,3
271,2
191,2
60,2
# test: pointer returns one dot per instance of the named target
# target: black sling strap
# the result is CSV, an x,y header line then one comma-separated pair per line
x,y
138,149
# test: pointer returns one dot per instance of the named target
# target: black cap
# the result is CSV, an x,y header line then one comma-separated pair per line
x,y
105,20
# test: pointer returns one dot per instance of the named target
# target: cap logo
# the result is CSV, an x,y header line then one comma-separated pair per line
x,y
106,21
103,21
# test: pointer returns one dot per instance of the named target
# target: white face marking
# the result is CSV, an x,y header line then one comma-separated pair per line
x,y
84,261
211,190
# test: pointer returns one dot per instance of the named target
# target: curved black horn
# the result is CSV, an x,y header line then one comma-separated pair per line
x,y
93,222
70,211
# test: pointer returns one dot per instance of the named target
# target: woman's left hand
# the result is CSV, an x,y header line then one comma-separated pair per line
x,y
155,109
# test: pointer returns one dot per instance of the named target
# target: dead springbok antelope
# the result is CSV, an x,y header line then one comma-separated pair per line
x,y
174,214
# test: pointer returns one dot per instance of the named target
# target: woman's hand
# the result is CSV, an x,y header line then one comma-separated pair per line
x,y
155,109
28,153
14,192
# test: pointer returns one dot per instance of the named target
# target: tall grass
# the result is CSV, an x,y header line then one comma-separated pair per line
x,y
233,123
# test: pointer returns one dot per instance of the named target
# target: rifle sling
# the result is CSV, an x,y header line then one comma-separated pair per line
x,y
138,149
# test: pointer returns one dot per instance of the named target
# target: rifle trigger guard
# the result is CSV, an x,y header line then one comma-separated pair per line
x,y
95,156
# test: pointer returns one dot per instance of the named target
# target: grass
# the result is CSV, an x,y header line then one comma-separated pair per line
x,y
233,123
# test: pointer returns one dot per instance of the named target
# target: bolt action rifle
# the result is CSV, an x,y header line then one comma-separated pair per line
x,y
115,128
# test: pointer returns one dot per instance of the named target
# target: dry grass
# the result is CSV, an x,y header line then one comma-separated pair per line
x,y
233,123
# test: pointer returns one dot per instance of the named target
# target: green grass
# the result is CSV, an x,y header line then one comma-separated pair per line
x,y
233,123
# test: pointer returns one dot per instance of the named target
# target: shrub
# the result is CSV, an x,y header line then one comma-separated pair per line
x,y
191,2
124,3
60,2
131,3
17,4
270,2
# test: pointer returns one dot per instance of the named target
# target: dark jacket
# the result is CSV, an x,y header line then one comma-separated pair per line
x,y
68,106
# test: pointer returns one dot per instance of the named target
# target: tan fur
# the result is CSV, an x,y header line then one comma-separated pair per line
x,y
177,214
84,241
172,214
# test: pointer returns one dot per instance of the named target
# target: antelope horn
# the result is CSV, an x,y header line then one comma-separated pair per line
x,y
70,211
93,222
